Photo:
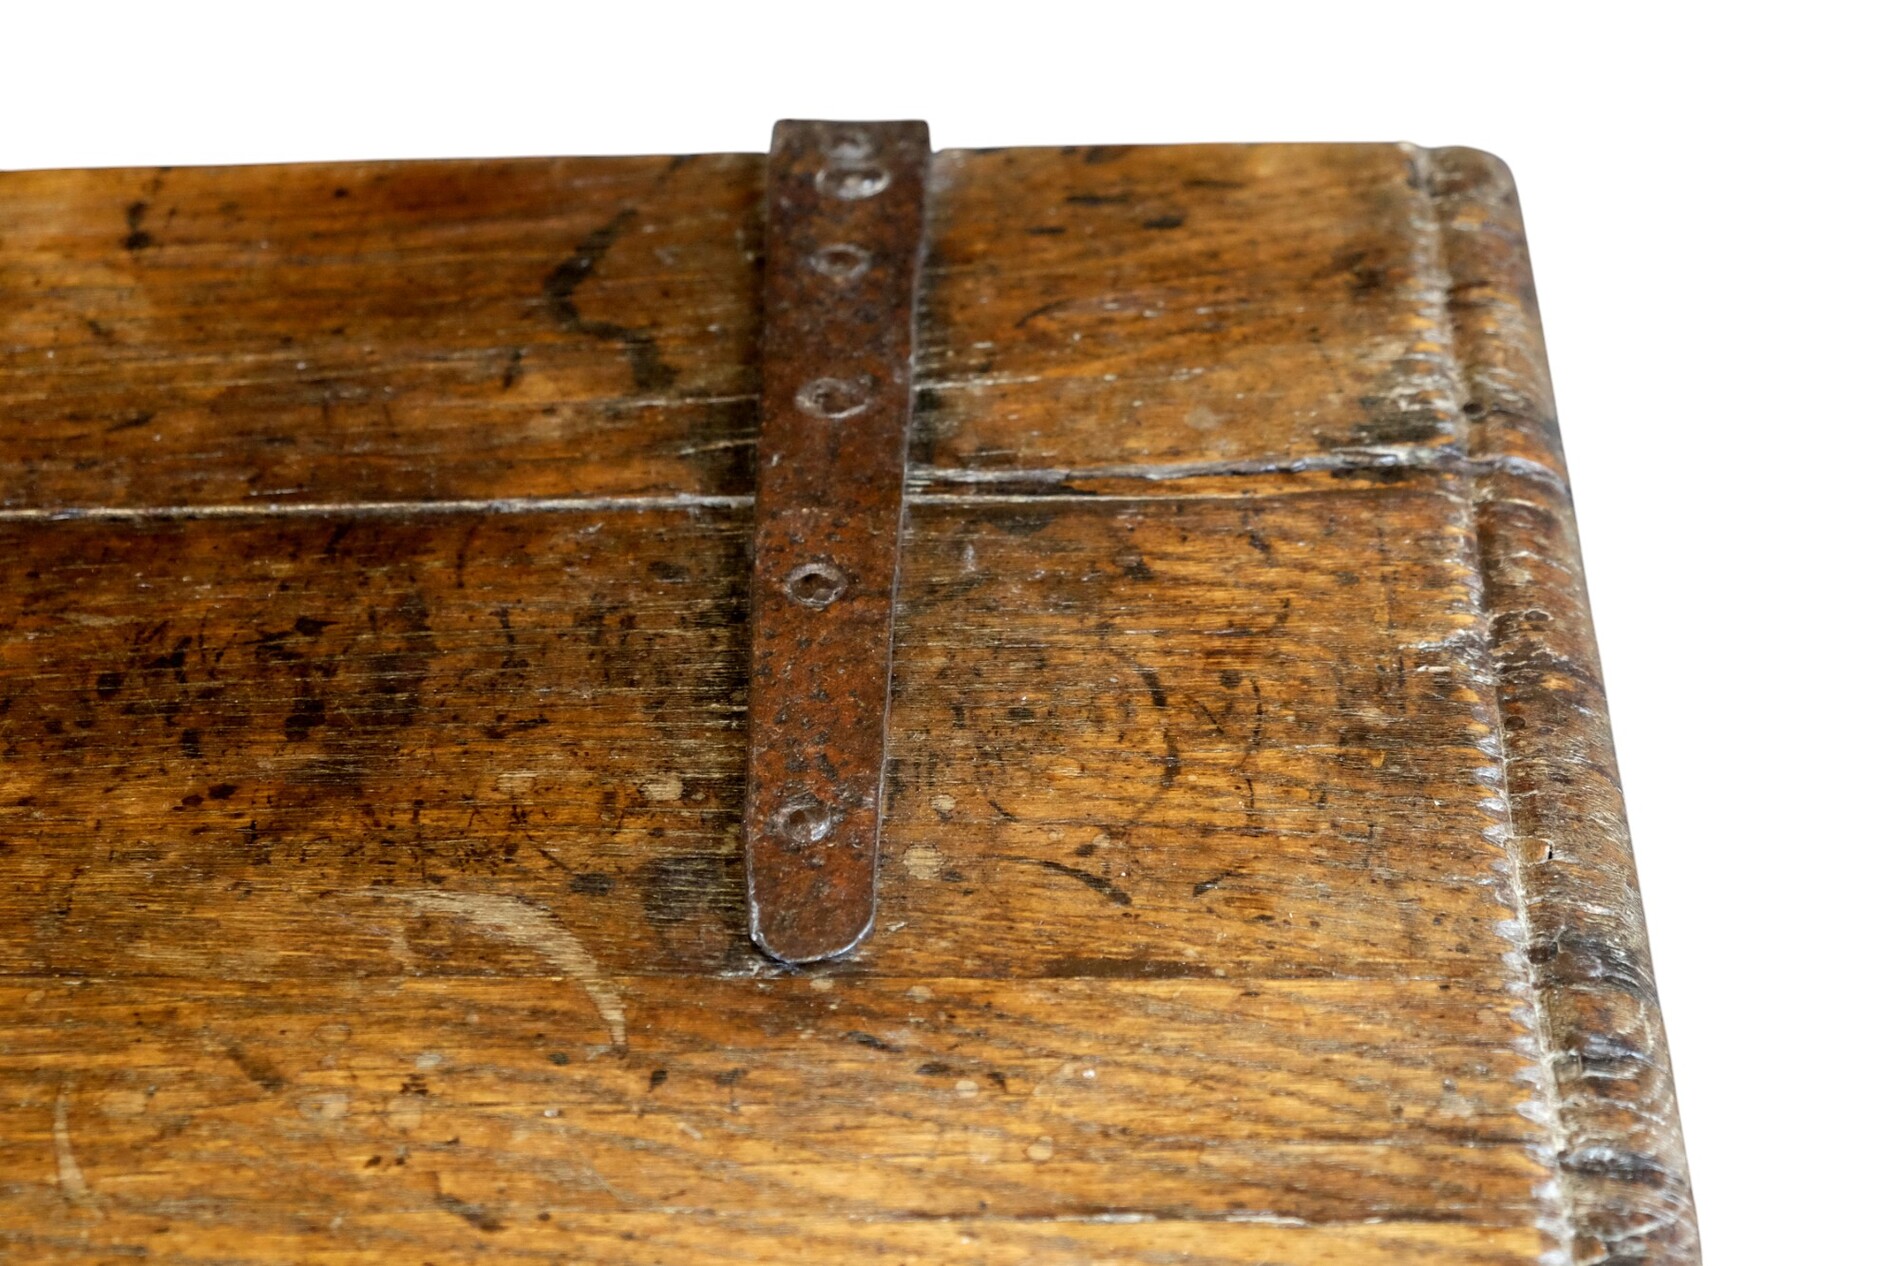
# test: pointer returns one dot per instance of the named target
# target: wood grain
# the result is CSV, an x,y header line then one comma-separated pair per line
x,y
372,702
378,331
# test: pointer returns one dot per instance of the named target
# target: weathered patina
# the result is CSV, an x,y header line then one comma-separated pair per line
x,y
375,581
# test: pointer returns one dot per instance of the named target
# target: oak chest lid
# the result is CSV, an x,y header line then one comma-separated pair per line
x,y
378,635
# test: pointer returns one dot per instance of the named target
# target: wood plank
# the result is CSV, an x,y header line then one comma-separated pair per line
x,y
588,327
1132,715
1316,1102
435,757
1177,306
378,331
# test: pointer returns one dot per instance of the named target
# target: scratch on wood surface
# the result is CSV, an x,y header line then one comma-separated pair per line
x,y
516,922
398,938
72,1179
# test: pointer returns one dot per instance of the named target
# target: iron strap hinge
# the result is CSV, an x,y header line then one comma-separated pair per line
x,y
843,242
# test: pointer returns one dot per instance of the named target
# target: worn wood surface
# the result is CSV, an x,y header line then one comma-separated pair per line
x,y
372,626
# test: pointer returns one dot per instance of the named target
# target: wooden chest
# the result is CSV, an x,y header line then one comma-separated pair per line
x,y
375,544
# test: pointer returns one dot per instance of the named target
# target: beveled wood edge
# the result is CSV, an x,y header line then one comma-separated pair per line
x,y
1620,1192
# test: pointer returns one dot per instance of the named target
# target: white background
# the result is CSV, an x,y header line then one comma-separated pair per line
x,y
1710,202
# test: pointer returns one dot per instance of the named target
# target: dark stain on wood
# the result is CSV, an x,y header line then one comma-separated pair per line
x,y
650,373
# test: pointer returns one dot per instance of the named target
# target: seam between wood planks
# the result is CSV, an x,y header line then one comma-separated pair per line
x,y
1449,463
387,509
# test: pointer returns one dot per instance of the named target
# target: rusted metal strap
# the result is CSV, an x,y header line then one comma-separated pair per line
x,y
844,230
